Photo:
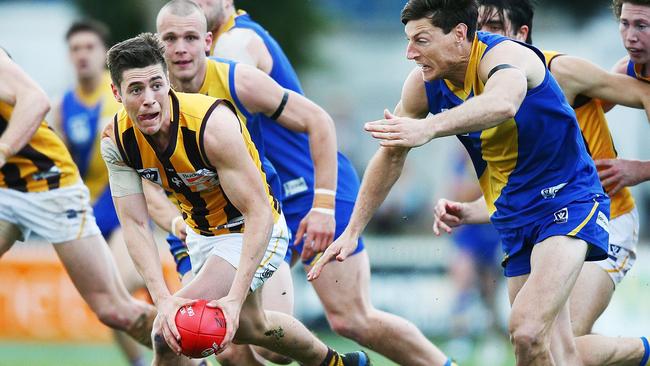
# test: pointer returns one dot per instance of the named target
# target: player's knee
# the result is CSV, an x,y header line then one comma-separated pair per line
x,y
527,337
350,325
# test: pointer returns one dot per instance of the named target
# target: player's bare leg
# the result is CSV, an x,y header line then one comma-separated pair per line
x,y
132,281
551,278
275,331
92,270
277,295
343,289
9,234
589,298
597,350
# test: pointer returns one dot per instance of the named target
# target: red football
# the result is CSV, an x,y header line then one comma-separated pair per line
x,y
202,329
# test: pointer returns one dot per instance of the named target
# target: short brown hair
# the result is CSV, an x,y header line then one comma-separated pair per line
x,y
618,4
444,14
138,52
92,26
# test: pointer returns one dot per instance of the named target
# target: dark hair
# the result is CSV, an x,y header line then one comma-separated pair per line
x,y
138,52
618,4
444,14
89,25
518,12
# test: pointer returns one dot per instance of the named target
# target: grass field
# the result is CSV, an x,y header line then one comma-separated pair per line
x,y
494,353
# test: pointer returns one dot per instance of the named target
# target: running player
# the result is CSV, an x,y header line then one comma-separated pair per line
x,y
541,189
80,118
182,27
195,147
41,193
634,26
584,84
344,287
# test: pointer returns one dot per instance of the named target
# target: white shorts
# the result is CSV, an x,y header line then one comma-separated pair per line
x,y
623,239
58,215
229,248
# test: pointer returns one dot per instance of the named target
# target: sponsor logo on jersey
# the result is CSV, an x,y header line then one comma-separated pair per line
x,y
200,180
602,221
294,187
150,174
52,172
550,192
561,216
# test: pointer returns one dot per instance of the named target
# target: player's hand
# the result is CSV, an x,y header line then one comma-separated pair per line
x,y
340,249
447,215
393,131
317,230
616,174
179,229
165,321
231,308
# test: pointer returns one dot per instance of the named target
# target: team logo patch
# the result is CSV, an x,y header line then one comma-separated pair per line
x,y
150,174
550,192
561,216
200,180
53,172
295,186
603,221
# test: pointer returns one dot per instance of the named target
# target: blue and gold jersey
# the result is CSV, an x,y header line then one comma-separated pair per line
x,y
287,150
531,165
83,117
219,82
636,71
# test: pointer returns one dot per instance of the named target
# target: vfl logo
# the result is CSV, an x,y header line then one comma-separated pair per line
x,y
550,192
150,174
561,216
614,249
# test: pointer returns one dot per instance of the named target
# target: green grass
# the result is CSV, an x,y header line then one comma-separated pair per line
x,y
70,354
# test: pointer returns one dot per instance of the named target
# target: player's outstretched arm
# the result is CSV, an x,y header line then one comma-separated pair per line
x,y
243,185
30,105
579,76
131,208
512,70
619,68
382,172
261,94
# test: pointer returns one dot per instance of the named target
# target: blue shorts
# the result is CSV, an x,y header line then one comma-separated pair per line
x,y
343,213
180,254
105,214
586,219
481,242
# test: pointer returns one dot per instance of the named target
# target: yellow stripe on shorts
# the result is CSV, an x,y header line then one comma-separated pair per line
x,y
585,221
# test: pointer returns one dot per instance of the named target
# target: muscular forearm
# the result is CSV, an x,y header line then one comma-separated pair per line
x,y
476,114
476,212
161,210
257,234
381,174
322,145
30,109
143,251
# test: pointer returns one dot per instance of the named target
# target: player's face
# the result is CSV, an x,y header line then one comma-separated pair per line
x,y
87,54
432,50
634,26
491,21
186,43
144,92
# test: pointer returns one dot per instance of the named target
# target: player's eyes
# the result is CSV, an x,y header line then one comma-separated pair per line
x,y
156,86
136,91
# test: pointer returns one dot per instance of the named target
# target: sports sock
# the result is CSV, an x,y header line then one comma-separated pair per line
x,y
646,353
332,358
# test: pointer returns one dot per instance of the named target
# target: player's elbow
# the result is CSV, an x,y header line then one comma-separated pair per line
x,y
505,109
39,104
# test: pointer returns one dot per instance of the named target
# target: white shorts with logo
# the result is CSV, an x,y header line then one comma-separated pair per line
x,y
58,215
229,248
623,239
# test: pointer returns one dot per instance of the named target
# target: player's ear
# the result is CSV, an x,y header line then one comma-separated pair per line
x,y
208,42
116,93
522,33
460,32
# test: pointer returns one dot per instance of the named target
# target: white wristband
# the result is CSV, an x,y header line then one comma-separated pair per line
x,y
327,211
325,191
174,223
